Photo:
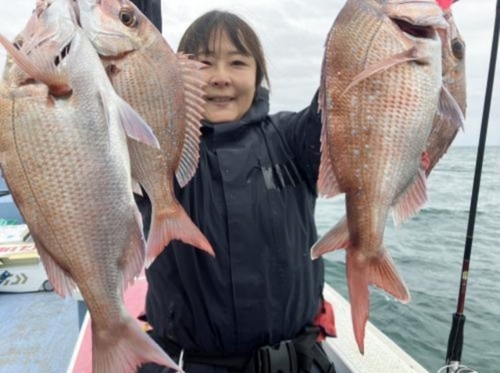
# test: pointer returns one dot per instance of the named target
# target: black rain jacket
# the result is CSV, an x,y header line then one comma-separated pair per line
x,y
253,196
151,9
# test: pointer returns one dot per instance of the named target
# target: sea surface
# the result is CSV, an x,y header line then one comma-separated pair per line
x,y
429,250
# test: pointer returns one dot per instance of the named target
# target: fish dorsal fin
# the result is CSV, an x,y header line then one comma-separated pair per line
x,y
411,200
409,55
327,183
41,66
193,94
449,109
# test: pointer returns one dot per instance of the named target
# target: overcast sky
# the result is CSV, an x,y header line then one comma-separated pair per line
x,y
293,33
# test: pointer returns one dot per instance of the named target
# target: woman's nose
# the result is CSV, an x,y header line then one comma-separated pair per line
x,y
220,78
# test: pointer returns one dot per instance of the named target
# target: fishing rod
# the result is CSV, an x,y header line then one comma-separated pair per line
x,y
456,338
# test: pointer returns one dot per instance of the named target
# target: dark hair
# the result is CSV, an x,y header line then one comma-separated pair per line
x,y
197,37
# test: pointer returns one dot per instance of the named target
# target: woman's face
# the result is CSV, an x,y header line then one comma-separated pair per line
x,y
231,80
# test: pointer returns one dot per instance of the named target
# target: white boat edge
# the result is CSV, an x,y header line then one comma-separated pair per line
x,y
381,353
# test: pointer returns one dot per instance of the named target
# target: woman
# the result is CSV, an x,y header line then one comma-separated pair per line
x,y
253,196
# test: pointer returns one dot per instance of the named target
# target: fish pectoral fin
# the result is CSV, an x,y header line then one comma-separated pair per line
x,y
41,66
411,200
448,109
132,123
406,56
61,280
335,239
194,102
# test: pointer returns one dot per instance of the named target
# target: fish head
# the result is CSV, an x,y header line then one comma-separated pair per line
x,y
453,54
115,27
52,26
42,26
415,12
417,23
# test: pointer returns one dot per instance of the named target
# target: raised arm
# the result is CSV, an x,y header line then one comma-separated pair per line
x,y
302,133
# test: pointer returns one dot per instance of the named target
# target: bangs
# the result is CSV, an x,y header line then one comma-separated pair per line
x,y
206,36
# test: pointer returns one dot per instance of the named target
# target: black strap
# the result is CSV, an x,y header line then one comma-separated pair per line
x,y
291,356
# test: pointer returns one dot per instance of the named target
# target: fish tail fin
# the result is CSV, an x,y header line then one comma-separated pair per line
x,y
169,225
124,348
379,271
384,275
335,239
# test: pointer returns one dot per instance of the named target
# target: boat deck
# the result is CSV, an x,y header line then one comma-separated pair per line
x,y
38,332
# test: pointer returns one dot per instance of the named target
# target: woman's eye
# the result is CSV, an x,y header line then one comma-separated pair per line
x,y
238,63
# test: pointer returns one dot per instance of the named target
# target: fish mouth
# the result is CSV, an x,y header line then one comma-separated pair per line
x,y
415,31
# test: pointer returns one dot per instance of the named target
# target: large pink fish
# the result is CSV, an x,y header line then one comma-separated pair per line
x,y
165,89
380,88
63,152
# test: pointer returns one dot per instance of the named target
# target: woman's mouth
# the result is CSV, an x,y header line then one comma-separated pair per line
x,y
219,99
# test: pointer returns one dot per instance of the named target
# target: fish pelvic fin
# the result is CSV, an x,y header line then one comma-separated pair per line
x,y
124,347
411,54
194,103
335,239
42,66
411,200
448,109
170,224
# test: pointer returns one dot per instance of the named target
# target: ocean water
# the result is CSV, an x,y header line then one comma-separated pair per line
x,y
428,250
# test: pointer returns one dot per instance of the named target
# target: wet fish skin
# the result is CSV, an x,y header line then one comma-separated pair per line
x,y
380,89
63,152
165,89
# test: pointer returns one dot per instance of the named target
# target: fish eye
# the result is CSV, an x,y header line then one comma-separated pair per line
x,y
458,48
127,17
